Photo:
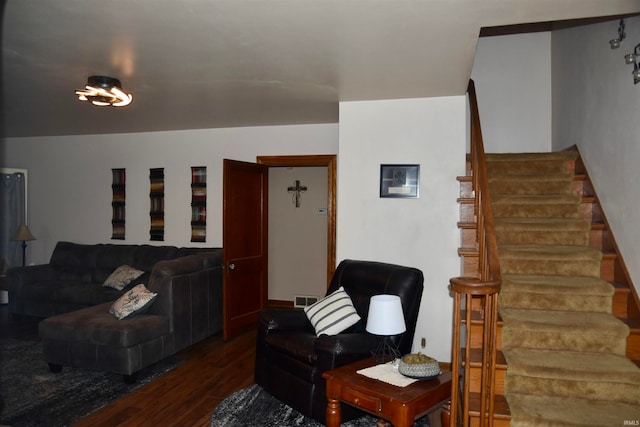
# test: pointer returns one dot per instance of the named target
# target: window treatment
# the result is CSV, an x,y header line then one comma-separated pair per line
x,y
12,216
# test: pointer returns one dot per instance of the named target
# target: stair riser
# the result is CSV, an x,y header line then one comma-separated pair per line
x,y
476,336
535,211
539,301
476,379
619,391
577,341
543,237
555,267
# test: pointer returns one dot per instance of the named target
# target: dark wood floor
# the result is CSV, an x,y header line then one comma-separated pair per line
x,y
185,396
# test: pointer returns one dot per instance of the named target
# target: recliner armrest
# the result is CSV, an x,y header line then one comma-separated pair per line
x,y
337,350
283,319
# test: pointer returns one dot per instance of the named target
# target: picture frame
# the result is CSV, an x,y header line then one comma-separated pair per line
x,y
400,181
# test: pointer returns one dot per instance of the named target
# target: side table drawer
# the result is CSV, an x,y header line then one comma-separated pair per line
x,y
361,400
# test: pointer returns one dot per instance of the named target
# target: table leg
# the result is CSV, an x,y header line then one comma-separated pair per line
x,y
334,413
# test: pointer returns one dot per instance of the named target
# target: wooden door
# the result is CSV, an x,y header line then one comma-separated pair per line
x,y
244,240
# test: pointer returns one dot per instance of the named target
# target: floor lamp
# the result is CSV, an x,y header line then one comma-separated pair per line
x,y
25,235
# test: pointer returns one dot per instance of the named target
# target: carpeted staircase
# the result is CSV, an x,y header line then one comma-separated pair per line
x,y
565,350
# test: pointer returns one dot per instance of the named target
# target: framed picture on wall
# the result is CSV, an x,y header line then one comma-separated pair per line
x,y
400,181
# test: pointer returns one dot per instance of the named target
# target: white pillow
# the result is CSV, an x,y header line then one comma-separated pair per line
x,y
122,276
333,313
135,301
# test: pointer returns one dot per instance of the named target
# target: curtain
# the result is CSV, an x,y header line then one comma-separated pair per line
x,y
12,216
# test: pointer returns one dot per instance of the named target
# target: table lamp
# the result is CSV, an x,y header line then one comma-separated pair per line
x,y
385,319
25,235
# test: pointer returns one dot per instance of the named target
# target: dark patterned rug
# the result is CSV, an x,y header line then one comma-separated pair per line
x,y
254,407
30,395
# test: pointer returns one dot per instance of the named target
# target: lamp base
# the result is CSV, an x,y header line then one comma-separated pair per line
x,y
385,351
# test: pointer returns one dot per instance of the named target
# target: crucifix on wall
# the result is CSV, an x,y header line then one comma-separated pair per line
x,y
296,192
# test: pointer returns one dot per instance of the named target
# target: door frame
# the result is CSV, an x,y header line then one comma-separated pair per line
x,y
330,161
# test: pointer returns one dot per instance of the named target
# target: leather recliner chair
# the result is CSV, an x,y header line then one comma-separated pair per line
x,y
290,358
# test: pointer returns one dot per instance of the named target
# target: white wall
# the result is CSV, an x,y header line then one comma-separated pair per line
x,y
421,232
297,235
512,75
70,178
596,105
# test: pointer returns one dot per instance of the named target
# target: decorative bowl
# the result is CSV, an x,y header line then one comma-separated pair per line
x,y
418,366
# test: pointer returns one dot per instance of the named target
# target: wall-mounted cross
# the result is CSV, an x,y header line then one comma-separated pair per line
x,y
296,190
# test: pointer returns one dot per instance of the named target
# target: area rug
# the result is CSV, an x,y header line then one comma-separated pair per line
x,y
30,395
254,407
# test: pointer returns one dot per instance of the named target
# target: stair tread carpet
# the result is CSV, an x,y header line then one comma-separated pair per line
x,y
573,253
563,330
532,157
542,231
564,293
560,373
572,365
540,411
564,321
569,285
537,199
542,224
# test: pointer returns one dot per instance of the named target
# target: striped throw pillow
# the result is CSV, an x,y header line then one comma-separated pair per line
x,y
333,313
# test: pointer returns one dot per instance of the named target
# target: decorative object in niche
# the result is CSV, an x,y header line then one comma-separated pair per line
x,y
117,203
156,196
199,204
296,191
400,181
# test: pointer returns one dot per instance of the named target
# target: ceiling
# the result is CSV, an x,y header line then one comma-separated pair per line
x,y
194,64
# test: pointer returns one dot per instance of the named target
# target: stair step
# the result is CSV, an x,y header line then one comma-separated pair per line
x,y
570,412
560,183
549,260
560,206
542,231
564,293
563,330
598,376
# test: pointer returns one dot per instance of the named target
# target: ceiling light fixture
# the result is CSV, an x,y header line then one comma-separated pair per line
x,y
104,91
615,43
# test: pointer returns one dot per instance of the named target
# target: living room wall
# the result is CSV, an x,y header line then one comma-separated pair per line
x,y
420,232
595,106
70,178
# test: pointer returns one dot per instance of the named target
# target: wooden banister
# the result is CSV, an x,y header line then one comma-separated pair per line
x,y
473,293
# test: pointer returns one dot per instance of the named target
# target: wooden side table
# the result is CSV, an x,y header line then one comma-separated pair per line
x,y
399,405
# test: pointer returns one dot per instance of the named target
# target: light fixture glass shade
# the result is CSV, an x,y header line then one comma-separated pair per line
x,y
614,43
104,91
385,315
23,234
629,58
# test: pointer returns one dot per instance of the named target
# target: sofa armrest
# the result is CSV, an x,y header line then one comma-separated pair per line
x,y
19,276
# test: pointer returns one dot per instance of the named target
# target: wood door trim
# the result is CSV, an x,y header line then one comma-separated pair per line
x,y
330,161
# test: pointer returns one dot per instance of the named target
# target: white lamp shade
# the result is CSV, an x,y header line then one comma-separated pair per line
x,y
385,315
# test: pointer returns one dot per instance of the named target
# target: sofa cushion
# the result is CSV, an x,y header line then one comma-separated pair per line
x,y
135,301
333,313
122,276
85,294
95,325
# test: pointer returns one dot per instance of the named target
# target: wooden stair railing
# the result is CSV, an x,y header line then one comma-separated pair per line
x,y
476,293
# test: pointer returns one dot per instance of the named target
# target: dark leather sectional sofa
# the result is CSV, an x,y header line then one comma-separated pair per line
x,y
79,330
